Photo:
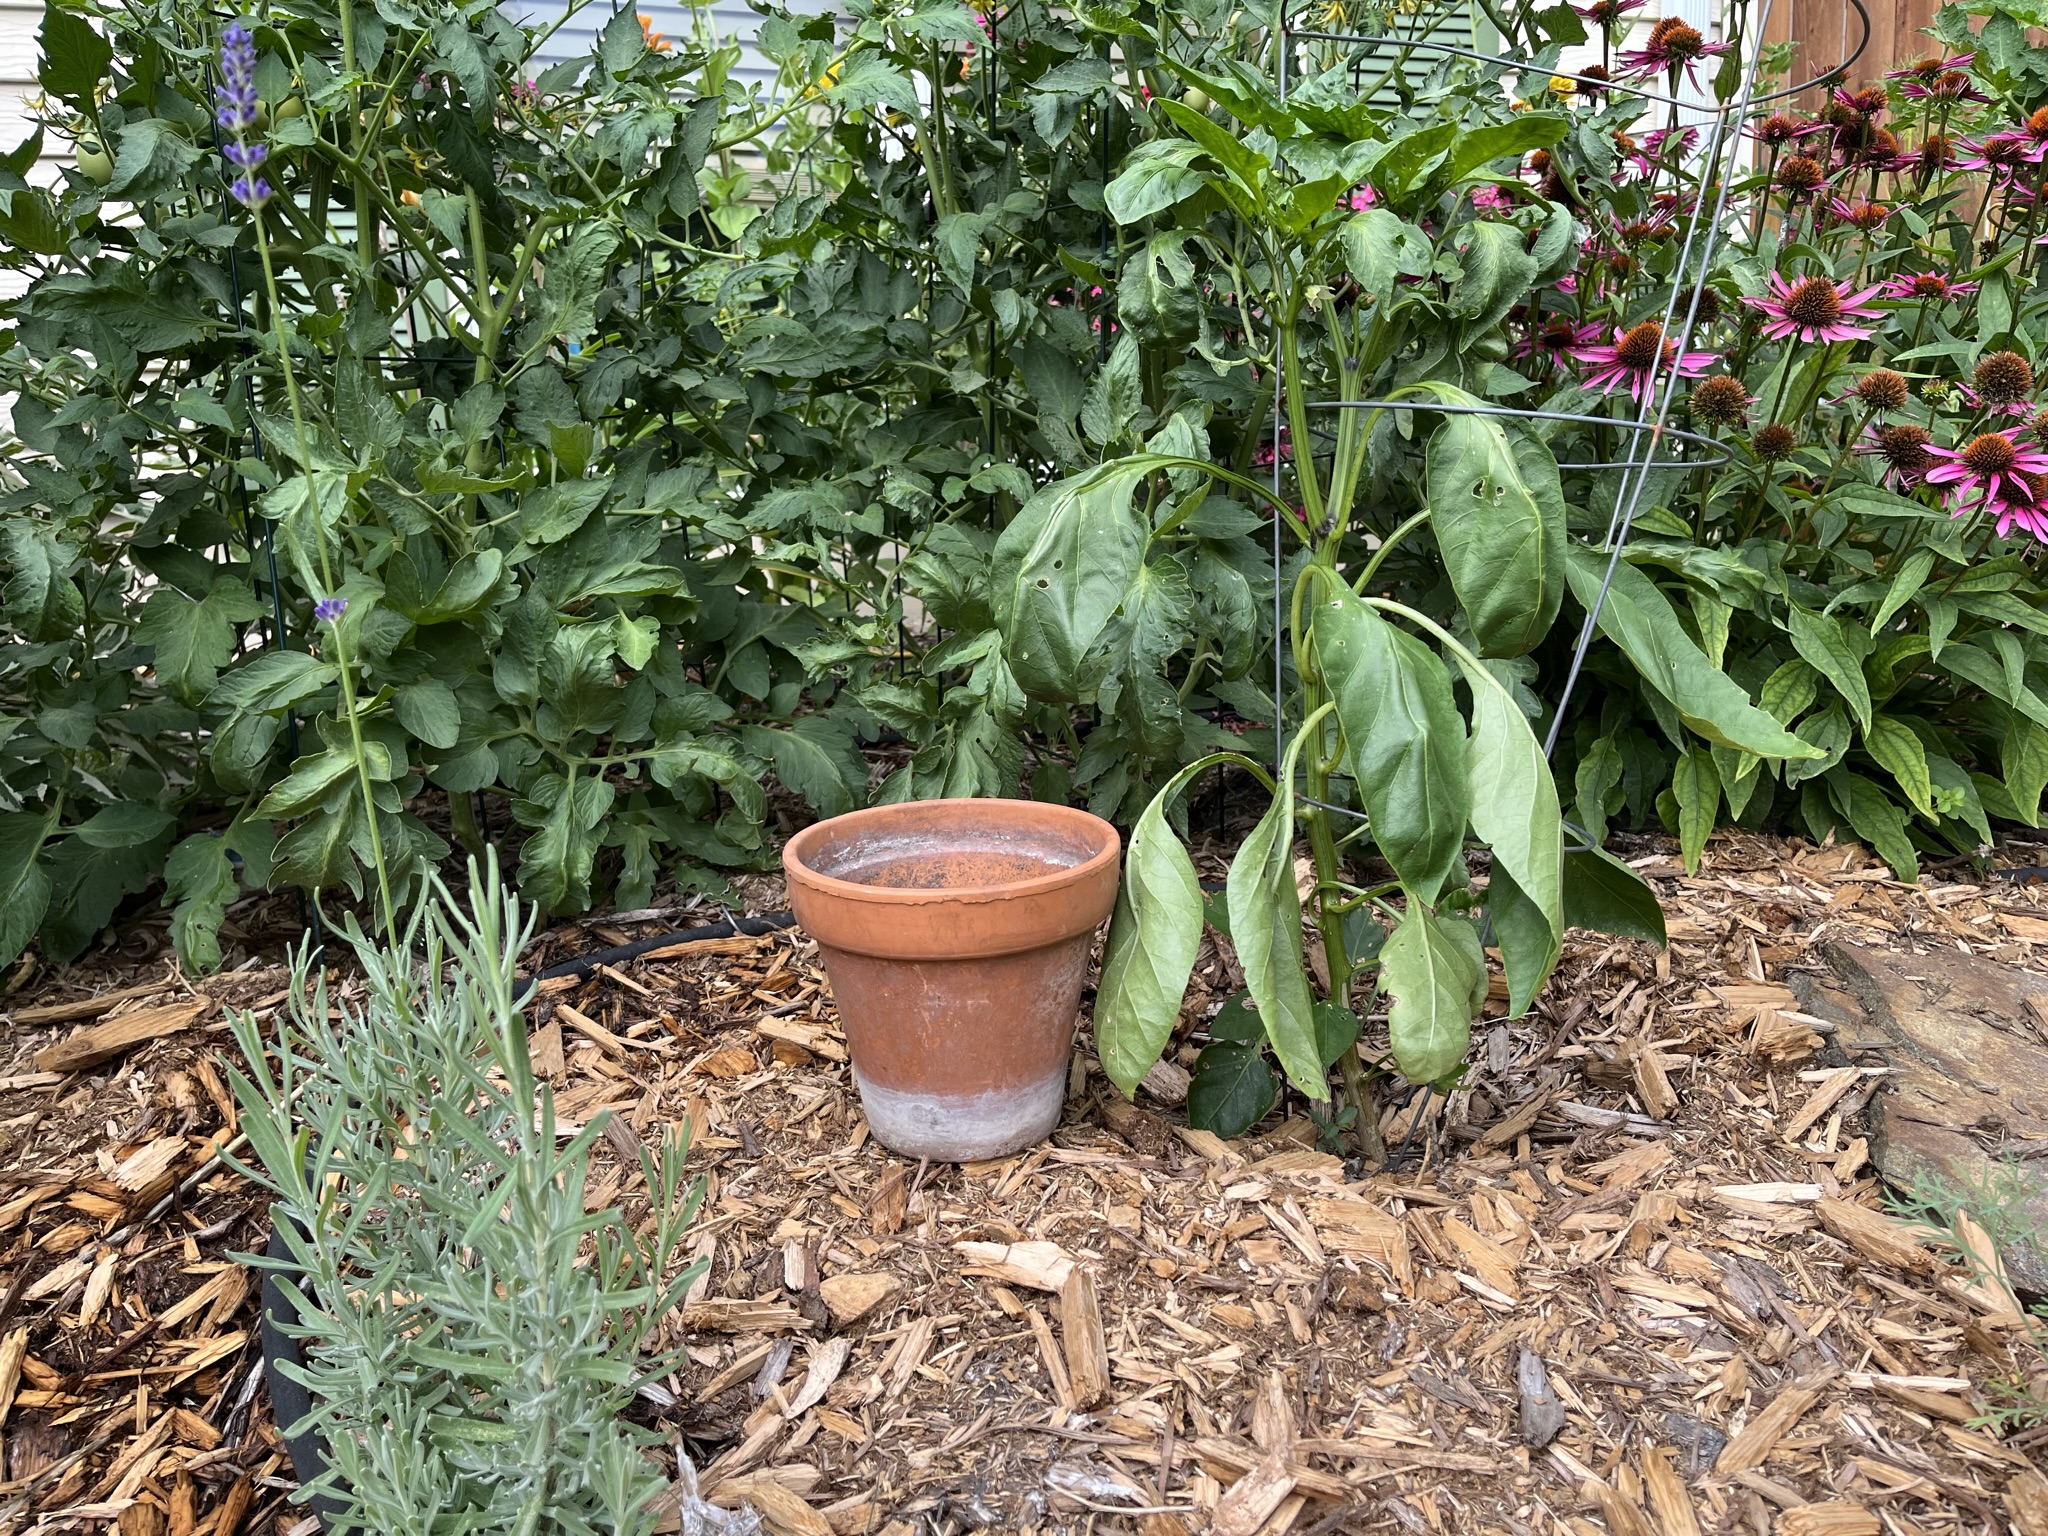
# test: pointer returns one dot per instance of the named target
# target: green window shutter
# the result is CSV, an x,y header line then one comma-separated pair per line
x,y
1381,64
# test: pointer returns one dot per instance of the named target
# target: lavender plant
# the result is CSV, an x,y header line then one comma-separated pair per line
x,y
472,1334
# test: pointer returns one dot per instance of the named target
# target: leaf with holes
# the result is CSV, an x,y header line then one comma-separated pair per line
x,y
1503,544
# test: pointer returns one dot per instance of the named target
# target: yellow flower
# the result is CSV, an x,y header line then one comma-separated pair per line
x,y
1562,85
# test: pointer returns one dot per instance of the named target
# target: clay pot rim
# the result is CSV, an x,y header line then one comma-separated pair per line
x,y
798,847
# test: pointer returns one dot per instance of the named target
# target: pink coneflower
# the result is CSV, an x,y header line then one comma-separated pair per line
x,y
1949,87
2028,510
1863,216
1814,309
1557,336
1937,152
1904,450
1636,357
1657,145
1673,45
1363,197
1934,64
1866,103
1778,130
1567,284
1991,469
1925,286
2006,152
1608,13
1801,175
1488,199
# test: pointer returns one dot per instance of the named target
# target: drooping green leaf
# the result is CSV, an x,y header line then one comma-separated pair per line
x,y
1516,814
1789,690
1404,739
1503,552
2023,760
1900,753
1232,1090
1604,894
1265,925
1597,777
1826,642
1155,176
24,885
1878,822
1696,784
567,816
1640,619
1153,939
815,757
1528,939
1435,971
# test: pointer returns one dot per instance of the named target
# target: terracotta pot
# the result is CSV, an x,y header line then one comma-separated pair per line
x,y
956,936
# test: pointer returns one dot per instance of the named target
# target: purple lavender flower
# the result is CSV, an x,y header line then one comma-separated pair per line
x,y
330,609
235,109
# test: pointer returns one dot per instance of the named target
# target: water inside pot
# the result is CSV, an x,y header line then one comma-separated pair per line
x,y
950,860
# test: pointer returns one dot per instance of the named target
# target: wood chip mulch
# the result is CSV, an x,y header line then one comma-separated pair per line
x,y
1636,1276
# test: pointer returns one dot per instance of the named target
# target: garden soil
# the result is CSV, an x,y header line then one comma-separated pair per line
x,y
1637,1276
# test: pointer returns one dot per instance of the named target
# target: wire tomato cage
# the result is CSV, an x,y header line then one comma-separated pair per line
x,y
1649,427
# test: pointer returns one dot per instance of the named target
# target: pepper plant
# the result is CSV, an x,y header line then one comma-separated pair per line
x,y
1377,278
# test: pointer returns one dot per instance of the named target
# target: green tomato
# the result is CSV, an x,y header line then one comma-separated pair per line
x,y
94,163
291,107
1196,98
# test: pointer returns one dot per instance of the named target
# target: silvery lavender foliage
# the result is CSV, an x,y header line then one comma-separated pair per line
x,y
235,110
472,1335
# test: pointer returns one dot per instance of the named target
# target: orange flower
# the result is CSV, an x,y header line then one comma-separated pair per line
x,y
654,39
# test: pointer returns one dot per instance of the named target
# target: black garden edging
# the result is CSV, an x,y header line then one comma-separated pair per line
x,y
290,1402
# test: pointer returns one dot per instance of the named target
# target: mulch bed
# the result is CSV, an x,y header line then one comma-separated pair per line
x,y
1649,1215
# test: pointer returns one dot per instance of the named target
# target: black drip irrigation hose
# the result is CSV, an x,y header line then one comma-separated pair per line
x,y
583,966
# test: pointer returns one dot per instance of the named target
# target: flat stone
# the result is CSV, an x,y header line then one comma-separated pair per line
x,y
1968,1102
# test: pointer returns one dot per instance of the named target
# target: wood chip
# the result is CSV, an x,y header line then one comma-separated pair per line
x,y
1665,1492
724,1314
1884,1239
13,1350
43,1016
2026,1501
1493,1264
102,1042
1832,1090
783,1511
1040,1266
1087,1352
826,1364
1253,1498
1762,1433
851,1297
1837,1518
